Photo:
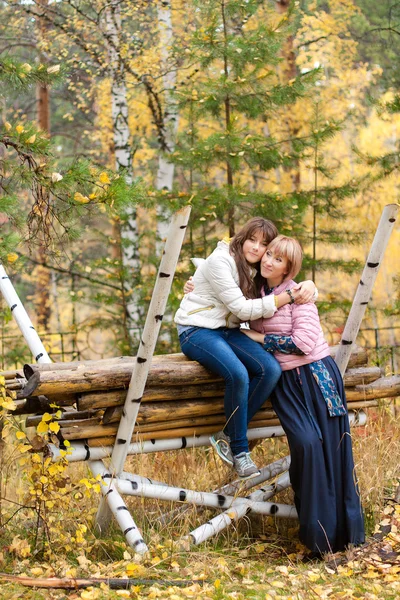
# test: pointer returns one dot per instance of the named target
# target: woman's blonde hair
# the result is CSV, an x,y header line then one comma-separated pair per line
x,y
289,248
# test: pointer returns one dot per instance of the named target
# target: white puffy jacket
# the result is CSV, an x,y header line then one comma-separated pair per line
x,y
218,300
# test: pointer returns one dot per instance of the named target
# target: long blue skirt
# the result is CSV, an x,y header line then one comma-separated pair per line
x,y
322,468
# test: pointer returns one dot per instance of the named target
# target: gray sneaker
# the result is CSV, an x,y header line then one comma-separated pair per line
x,y
221,444
244,466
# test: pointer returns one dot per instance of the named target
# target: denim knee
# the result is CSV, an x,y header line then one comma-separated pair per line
x,y
238,377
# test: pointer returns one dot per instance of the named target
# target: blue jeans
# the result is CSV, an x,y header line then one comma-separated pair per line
x,y
250,374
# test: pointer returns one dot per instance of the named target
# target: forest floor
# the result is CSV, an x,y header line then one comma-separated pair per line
x,y
258,558
271,567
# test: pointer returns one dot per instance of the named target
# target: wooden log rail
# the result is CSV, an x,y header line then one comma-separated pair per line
x,y
181,397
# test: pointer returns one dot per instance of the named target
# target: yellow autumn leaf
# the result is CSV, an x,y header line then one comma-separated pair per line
x,y
20,435
104,178
12,257
7,126
24,448
371,575
90,594
47,417
54,427
42,427
8,404
31,139
78,197
134,569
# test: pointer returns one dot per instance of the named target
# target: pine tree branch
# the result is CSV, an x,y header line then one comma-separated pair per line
x,y
71,273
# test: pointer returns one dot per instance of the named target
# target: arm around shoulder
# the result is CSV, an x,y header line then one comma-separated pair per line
x,y
221,273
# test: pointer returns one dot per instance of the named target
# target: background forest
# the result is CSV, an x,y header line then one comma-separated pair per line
x,y
115,113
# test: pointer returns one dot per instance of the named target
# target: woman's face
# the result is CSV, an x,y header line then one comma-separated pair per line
x,y
274,267
254,247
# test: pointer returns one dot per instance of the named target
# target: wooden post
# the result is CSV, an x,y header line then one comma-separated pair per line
x,y
145,353
366,284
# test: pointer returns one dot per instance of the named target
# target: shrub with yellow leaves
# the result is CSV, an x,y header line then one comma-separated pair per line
x,y
49,493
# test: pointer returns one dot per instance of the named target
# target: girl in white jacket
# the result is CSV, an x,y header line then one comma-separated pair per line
x,y
227,292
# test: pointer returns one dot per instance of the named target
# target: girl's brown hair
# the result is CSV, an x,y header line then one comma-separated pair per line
x,y
250,286
288,248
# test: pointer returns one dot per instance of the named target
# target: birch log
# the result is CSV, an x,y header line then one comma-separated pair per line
x,y
148,341
365,286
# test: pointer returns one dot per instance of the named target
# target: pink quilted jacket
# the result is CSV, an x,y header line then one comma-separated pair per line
x,y
301,322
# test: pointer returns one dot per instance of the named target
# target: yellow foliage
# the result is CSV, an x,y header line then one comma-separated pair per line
x,y
104,178
78,197
12,257
42,427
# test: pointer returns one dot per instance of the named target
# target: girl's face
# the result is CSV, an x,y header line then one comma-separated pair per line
x,y
274,268
254,248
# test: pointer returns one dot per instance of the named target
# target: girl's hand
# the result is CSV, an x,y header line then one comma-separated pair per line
x,y
254,335
304,292
189,286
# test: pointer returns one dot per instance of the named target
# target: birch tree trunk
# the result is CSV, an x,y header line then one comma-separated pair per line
x,y
165,173
42,301
122,147
166,169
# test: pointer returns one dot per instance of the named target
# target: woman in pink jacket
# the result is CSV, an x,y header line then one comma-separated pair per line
x,y
310,402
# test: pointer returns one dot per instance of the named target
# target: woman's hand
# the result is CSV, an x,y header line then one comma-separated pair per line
x,y
304,292
254,335
189,286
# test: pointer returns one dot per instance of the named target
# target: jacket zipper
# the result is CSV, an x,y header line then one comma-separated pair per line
x,y
192,312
